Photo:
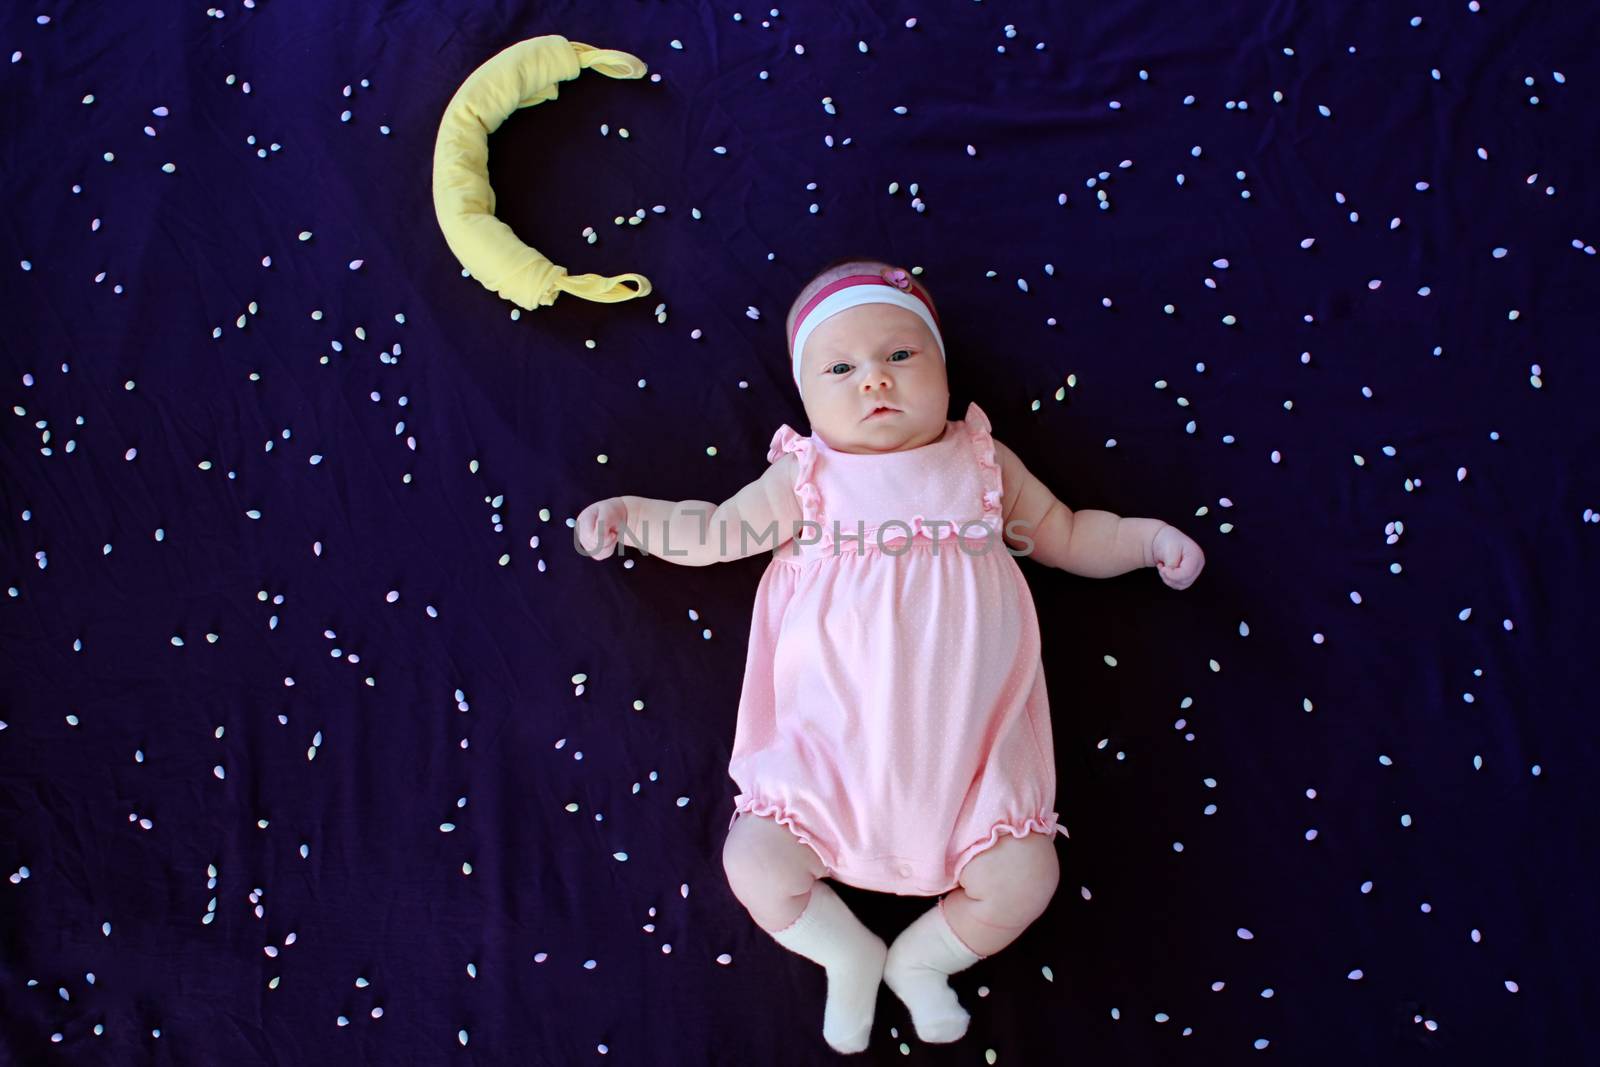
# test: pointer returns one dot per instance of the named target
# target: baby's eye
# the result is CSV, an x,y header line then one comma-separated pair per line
x,y
834,369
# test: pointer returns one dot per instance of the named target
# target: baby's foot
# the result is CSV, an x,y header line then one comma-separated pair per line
x,y
920,963
853,997
827,932
936,1011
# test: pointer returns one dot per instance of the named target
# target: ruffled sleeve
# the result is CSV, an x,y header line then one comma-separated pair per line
x,y
979,431
805,487
785,440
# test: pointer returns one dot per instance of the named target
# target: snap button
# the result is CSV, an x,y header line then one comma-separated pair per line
x,y
905,870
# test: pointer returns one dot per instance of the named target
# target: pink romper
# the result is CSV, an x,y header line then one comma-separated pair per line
x,y
894,713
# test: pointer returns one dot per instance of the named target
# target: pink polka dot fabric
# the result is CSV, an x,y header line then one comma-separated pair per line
x,y
894,713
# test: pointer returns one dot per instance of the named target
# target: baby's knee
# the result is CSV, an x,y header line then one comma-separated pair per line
x,y
761,864
1020,903
1030,890
1017,875
1045,871
737,859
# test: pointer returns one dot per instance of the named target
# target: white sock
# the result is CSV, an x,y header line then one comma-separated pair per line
x,y
920,961
827,932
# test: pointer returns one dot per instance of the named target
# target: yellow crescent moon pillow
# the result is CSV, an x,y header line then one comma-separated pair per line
x,y
525,73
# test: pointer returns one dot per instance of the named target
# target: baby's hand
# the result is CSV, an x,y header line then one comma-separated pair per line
x,y
1178,559
595,534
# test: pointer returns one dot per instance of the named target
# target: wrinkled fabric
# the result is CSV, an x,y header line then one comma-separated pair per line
x,y
527,73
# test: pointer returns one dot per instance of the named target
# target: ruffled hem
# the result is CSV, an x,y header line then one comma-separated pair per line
x,y
980,432
1049,826
805,487
762,809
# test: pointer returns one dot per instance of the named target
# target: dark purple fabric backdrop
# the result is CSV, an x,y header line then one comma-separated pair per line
x,y
1315,805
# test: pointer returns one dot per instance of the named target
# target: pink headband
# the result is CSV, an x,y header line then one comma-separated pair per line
x,y
890,287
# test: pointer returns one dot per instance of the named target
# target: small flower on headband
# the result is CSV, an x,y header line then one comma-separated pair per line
x,y
897,278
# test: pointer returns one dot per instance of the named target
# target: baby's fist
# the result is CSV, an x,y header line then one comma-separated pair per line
x,y
595,534
1178,559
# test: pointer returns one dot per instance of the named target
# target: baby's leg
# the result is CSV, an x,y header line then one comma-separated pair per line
x,y
770,870
776,877
1003,889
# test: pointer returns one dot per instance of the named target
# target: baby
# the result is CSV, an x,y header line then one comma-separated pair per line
x,y
894,729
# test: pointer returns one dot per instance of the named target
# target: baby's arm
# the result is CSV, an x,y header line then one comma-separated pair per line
x,y
694,533
1091,544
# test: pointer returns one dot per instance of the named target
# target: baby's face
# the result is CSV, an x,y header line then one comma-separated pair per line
x,y
870,356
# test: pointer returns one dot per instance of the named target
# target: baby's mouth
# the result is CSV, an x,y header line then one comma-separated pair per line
x,y
882,409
